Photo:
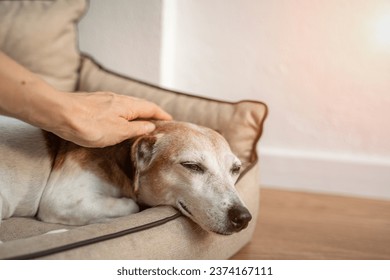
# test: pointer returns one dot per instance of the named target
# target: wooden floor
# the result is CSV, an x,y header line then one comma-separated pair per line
x,y
294,225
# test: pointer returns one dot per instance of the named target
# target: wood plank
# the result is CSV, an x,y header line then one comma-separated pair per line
x,y
295,225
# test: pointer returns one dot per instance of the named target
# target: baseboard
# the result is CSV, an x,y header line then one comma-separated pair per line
x,y
340,174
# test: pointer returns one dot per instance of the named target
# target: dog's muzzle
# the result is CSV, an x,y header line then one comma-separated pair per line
x,y
239,218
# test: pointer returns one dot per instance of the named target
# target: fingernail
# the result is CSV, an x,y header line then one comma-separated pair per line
x,y
149,127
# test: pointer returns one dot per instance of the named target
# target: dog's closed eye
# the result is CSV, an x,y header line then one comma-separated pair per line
x,y
193,167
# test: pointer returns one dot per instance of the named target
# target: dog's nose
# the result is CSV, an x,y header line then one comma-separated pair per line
x,y
239,217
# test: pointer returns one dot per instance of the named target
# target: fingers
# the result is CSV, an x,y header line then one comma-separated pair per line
x,y
139,108
124,130
103,118
137,128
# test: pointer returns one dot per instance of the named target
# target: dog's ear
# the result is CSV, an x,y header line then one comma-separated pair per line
x,y
142,151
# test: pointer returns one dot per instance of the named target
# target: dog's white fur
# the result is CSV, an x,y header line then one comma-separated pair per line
x,y
189,167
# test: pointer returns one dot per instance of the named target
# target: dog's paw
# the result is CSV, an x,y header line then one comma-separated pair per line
x,y
133,207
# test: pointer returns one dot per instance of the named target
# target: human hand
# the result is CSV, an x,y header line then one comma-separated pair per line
x,y
104,118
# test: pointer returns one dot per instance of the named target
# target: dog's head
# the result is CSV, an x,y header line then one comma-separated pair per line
x,y
193,169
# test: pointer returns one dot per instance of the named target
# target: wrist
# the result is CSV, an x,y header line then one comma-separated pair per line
x,y
46,107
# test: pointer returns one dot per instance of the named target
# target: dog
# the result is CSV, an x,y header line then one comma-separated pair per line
x,y
180,164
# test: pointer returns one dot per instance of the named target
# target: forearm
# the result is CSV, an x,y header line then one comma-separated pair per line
x,y
25,96
89,119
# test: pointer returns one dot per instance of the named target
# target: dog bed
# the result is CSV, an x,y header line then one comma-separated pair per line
x,y
49,48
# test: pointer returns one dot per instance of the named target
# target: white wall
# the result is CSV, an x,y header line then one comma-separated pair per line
x,y
124,36
319,65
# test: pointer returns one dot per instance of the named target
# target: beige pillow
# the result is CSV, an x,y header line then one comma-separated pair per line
x,y
41,35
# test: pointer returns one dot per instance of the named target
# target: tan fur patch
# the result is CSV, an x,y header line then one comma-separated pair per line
x,y
113,164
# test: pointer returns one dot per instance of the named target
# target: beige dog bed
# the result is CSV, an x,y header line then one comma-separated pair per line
x,y
46,44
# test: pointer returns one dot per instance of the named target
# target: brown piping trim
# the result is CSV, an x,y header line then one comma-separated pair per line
x,y
166,89
97,239
254,158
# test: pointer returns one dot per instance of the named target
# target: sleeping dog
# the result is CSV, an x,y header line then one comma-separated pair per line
x,y
180,164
